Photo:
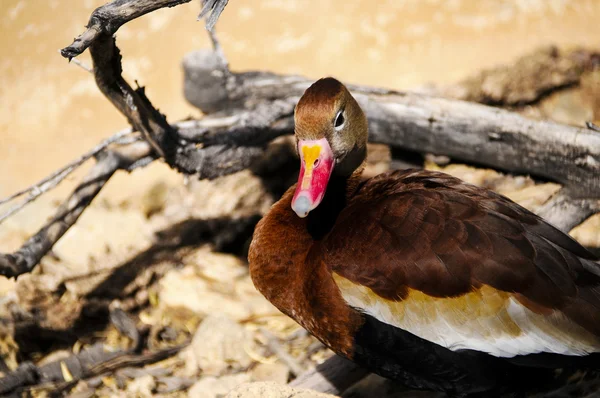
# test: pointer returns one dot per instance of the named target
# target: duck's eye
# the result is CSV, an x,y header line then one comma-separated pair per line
x,y
339,120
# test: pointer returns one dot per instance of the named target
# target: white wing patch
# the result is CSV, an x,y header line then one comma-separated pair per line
x,y
485,320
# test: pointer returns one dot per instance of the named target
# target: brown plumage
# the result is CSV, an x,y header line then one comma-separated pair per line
x,y
417,275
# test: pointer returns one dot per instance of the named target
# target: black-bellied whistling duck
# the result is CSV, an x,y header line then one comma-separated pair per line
x,y
417,275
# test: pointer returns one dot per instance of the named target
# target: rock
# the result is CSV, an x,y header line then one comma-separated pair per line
x,y
219,345
101,235
276,372
236,195
218,267
528,80
142,386
213,387
273,390
213,283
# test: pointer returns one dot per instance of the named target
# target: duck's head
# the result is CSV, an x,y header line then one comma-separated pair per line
x,y
331,135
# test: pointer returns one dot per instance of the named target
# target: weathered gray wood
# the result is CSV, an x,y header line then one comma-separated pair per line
x,y
464,131
333,376
566,212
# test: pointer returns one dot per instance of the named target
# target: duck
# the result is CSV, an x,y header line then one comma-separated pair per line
x,y
417,275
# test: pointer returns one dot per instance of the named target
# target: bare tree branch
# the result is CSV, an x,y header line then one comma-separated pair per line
x,y
133,104
22,261
97,359
217,146
215,8
461,130
107,19
566,211
48,183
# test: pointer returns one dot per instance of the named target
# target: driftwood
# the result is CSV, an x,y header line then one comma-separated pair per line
x,y
463,131
247,110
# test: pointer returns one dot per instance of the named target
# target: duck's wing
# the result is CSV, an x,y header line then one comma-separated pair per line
x,y
463,267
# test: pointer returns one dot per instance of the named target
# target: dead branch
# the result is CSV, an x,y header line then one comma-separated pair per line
x,y
217,146
211,160
566,212
133,104
464,131
95,360
212,10
22,261
89,362
276,348
50,182
107,19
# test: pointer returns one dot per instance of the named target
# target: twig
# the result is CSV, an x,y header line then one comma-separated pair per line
x,y
592,126
134,104
90,362
82,65
48,183
215,8
275,347
98,359
220,54
107,19
227,144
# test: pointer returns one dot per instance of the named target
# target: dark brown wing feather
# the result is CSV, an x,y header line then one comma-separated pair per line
x,y
432,232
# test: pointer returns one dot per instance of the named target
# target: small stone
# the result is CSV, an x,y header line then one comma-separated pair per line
x,y
276,372
142,386
219,345
213,283
213,387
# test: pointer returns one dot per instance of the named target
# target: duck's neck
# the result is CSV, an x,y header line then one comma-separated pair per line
x,y
340,190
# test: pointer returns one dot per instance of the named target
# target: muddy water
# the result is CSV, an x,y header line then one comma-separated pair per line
x,y
51,111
